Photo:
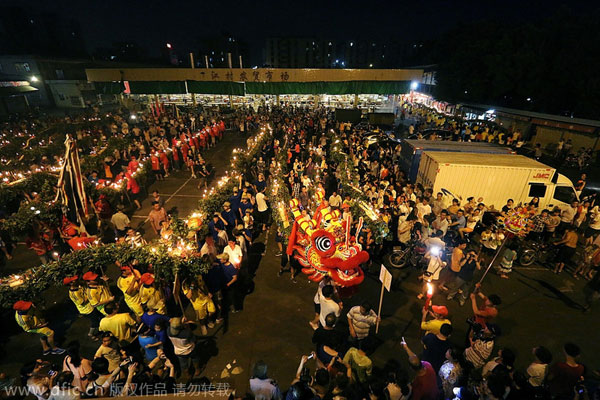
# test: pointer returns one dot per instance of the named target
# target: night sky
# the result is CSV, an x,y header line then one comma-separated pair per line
x,y
152,23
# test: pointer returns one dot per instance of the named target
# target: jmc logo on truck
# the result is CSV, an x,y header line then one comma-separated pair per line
x,y
542,175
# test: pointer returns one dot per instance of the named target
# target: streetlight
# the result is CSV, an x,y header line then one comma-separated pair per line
x,y
414,85
34,79
169,45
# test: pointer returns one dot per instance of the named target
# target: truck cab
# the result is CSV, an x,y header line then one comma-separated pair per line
x,y
559,192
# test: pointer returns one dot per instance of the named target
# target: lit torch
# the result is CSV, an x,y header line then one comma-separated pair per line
x,y
429,295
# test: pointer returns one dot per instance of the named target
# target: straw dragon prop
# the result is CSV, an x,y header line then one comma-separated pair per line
x,y
323,246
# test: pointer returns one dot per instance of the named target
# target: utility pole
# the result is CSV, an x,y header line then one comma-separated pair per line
x,y
230,67
193,66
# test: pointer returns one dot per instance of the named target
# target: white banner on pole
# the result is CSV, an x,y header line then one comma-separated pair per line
x,y
385,277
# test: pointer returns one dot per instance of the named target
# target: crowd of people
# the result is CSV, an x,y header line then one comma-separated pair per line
x,y
147,343
173,140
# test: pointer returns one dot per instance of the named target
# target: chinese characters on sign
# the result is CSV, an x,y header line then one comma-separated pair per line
x,y
237,75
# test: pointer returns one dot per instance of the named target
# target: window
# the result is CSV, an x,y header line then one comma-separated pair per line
x,y
60,74
537,190
61,97
22,67
566,194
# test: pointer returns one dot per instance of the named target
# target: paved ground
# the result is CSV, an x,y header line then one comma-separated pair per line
x,y
538,307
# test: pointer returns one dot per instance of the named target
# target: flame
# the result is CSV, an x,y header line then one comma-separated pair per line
x,y
429,290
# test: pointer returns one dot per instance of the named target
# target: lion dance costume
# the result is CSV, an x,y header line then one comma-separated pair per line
x,y
323,246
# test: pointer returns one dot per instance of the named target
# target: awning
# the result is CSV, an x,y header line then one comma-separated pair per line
x,y
108,87
157,87
15,90
200,87
243,88
332,88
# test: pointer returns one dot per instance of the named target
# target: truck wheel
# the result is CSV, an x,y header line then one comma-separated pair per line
x,y
527,258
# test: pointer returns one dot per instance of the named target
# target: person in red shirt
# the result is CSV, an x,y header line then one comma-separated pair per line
x,y
164,160
488,311
202,140
133,164
104,210
134,188
184,152
68,229
563,376
176,155
42,248
156,170
221,129
424,384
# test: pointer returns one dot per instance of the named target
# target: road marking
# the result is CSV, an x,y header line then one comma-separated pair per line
x,y
182,195
532,269
178,190
568,288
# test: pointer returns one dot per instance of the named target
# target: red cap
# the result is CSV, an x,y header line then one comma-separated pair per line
x,y
147,279
125,268
70,279
22,305
442,310
90,276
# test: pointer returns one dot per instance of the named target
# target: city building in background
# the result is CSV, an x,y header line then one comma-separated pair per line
x,y
289,52
215,50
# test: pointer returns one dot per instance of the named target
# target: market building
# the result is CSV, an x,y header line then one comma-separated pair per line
x,y
369,88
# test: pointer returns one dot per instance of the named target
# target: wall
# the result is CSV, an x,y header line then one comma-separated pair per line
x,y
66,94
549,137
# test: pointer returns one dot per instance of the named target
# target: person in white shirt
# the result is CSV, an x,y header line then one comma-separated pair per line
x,y
441,222
567,214
234,251
262,208
593,229
328,305
472,221
335,200
405,226
423,208
438,204
222,237
360,320
261,386
538,369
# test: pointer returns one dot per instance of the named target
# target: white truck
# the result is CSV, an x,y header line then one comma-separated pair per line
x,y
496,178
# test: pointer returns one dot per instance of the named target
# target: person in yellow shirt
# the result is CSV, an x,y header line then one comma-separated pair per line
x,y
150,296
78,296
97,293
439,314
129,283
200,297
121,325
27,319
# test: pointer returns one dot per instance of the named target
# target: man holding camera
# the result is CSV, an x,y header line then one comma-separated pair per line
x,y
462,281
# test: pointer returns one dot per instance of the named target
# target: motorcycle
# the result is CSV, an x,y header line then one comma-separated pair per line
x,y
410,255
542,253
